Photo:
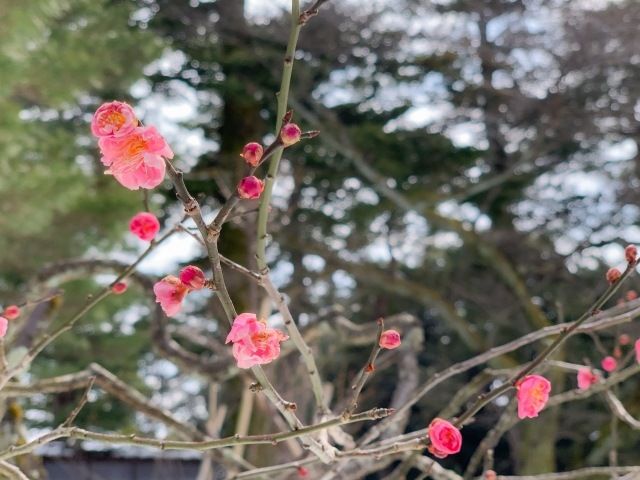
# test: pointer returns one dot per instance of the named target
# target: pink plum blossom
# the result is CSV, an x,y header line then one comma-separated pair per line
x,y
533,393
144,225
445,438
586,378
252,153
170,292
193,277
113,119
390,339
136,160
254,343
250,188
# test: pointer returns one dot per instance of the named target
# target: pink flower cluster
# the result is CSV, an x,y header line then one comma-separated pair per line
x,y
171,290
134,154
254,343
533,393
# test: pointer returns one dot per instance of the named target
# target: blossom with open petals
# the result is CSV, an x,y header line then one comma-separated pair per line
x,y
445,438
254,343
533,393
586,378
137,159
170,292
113,119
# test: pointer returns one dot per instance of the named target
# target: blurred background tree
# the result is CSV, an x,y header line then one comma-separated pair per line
x,y
477,168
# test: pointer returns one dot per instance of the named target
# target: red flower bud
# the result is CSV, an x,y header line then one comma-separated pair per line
x,y
609,364
252,153
624,339
631,295
290,134
193,277
631,253
613,275
250,188
11,312
390,339
119,288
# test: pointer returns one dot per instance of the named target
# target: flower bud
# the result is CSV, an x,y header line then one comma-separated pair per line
x,y
631,253
290,134
11,312
390,339
490,475
303,472
119,288
609,364
631,295
252,153
624,339
613,275
4,325
144,225
193,277
250,188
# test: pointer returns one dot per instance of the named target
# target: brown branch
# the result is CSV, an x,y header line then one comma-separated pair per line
x,y
365,373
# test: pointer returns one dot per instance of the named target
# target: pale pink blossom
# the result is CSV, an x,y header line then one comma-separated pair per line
x,y
193,277
254,343
586,378
113,119
119,288
445,438
290,134
609,364
144,225
4,325
170,293
250,188
11,312
252,153
533,393
136,160
390,339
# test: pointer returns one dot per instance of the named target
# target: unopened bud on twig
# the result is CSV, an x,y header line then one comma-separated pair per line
x,y
613,275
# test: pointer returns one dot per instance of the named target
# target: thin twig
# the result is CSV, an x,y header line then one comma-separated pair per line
x,y
114,439
365,373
